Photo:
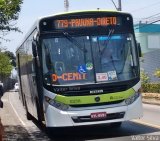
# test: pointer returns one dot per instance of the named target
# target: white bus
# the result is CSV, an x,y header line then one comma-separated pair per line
x,y
81,68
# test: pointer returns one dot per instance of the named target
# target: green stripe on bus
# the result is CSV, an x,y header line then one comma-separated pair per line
x,y
90,99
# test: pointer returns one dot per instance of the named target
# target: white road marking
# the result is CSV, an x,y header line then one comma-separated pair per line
x,y
145,123
16,113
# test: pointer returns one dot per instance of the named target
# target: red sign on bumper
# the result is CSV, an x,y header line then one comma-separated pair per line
x,y
100,115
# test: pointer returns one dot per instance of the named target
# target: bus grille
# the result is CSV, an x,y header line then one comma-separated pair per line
x,y
106,89
97,104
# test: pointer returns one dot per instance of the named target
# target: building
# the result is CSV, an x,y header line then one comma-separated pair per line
x,y
148,35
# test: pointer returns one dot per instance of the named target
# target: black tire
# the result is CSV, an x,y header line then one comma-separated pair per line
x,y
53,131
49,131
38,112
116,124
28,115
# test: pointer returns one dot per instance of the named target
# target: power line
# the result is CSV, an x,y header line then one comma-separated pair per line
x,y
150,19
152,16
139,9
119,8
114,4
148,24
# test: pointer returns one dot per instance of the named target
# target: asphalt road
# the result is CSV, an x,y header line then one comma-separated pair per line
x,y
17,127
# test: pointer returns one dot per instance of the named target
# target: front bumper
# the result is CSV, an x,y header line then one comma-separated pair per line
x,y
57,118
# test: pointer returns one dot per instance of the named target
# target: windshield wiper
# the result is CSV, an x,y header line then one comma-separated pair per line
x,y
111,31
75,42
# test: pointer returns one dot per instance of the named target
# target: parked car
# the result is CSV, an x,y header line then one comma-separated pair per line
x,y
16,87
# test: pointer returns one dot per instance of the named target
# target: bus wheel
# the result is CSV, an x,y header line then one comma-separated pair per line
x,y
48,131
53,131
39,112
116,124
28,115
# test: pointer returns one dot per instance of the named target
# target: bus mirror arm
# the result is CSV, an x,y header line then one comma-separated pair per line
x,y
34,49
35,54
38,62
139,49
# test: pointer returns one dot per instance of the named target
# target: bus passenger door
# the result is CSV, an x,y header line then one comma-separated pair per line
x,y
32,79
37,83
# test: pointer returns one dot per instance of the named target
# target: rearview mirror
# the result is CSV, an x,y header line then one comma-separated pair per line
x,y
34,49
139,49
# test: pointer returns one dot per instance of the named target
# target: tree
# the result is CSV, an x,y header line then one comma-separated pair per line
x,y
12,57
9,12
5,65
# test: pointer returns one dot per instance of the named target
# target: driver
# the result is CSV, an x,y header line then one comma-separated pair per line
x,y
106,60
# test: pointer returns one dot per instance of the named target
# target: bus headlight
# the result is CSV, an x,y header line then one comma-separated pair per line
x,y
132,98
56,104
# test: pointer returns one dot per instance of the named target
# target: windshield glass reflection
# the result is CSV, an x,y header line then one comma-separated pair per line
x,y
88,59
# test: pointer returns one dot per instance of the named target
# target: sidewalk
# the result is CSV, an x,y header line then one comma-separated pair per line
x,y
151,98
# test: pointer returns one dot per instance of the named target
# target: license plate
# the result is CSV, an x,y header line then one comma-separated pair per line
x,y
99,115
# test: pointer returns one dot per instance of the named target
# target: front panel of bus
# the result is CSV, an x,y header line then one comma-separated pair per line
x,y
90,65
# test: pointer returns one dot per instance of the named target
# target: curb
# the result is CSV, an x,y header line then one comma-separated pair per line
x,y
151,103
151,98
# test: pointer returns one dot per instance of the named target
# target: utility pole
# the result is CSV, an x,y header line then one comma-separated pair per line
x,y
119,5
66,5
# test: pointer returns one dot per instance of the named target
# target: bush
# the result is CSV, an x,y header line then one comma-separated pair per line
x,y
144,77
151,87
157,73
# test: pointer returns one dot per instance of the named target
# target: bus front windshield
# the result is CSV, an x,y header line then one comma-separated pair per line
x,y
70,60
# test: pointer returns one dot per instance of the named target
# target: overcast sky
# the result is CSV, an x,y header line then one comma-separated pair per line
x,y
32,9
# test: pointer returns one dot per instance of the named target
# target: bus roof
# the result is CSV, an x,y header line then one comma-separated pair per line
x,y
82,11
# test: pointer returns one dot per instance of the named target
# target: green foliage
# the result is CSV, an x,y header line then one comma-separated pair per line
x,y
147,86
9,12
151,88
144,78
5,65
12,57
10,54
157,73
